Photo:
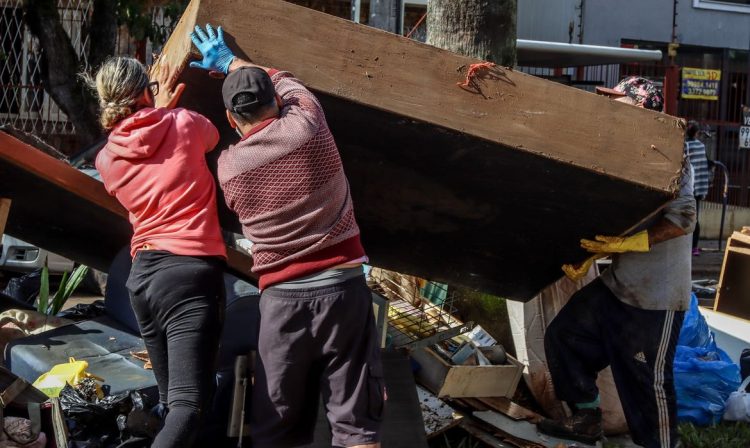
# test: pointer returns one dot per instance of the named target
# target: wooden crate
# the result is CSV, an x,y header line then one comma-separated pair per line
x,y
733,294
492,187
450,381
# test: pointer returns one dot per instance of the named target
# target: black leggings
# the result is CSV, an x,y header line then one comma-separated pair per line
x,y
179,303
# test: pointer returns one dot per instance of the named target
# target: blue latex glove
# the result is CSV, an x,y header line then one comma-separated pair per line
x,y
216,55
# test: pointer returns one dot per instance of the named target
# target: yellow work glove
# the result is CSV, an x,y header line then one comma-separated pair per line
x,y
577,272
618,244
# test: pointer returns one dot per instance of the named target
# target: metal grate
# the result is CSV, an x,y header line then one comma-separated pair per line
x,y
23,101
413,317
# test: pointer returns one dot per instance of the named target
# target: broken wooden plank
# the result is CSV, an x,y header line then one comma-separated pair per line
x,y
522,433
492,188
63,210
511,409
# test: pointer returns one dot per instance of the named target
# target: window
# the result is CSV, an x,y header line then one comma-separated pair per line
x,y
742,6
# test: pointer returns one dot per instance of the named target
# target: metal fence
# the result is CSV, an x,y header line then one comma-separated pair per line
x,y
23,102
720,120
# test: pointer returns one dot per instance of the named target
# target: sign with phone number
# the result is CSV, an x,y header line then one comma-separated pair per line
x,y
700,84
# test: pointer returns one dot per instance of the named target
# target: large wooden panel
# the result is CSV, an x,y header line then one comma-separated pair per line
x,y
490,189
58,208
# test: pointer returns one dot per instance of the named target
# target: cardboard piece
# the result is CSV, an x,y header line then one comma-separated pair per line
x,y
489,186
451,381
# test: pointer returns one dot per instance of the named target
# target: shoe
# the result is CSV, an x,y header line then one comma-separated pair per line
x,y
696,252
584,426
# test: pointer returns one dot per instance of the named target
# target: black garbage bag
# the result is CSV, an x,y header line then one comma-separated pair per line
x,y
144,421
93,424
25,288
84,311
100,411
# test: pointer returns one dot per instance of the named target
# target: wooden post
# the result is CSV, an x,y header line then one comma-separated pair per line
x,y
4,210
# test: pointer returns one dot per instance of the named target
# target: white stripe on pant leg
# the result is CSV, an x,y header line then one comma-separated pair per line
x,y
659,393
665,423
659,382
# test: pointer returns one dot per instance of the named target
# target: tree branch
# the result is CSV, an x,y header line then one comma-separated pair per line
x,y
62,82
102,32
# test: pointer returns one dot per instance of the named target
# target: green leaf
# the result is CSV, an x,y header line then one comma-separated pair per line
x,y
43,290
58,295
68,287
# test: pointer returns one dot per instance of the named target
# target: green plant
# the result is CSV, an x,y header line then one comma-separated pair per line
x,y
68,285
724,435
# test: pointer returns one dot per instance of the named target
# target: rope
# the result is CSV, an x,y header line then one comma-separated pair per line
x,y
474,72
416,25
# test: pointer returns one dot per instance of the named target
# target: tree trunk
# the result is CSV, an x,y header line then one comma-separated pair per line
x,y
102,33
484,29
60,66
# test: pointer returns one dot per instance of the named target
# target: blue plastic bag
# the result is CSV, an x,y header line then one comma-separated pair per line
x,y
704,376
703,380
695,331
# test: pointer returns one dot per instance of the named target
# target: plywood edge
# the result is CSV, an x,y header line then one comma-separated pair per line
x,y
722,277
741,237
739,250
58,172
176,51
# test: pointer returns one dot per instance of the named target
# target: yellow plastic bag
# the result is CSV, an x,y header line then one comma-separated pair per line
x,y
72,372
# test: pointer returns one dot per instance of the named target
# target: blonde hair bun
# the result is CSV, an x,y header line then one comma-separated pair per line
x,y
119,83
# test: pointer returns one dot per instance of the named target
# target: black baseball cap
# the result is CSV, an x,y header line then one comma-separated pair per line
x,y
253,81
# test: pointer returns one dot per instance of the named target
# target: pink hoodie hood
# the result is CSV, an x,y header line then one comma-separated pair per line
x,y
141,134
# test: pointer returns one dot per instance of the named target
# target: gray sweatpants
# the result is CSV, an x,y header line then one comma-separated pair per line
x,y
313,342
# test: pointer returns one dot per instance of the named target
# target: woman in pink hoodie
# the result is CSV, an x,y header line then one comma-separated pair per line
x,y
154,164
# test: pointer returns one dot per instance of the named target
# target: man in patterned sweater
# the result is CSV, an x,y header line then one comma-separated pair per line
x,y
285,181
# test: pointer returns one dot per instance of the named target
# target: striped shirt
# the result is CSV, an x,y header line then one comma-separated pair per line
x,y
696,153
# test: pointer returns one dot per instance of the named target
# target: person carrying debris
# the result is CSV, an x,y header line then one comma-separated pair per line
x,y
154,164
629,318
285,181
